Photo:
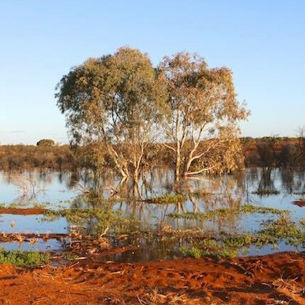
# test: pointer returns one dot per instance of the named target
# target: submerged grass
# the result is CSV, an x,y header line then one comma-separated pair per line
x,y
96,220
168,198
209,248
266,192
272,233
14,205
23,258
244,209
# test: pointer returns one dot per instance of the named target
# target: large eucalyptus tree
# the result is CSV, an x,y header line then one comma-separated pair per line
x,y
113,100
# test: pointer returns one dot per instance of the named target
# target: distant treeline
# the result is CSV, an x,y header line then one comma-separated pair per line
x,y
266,151
30,156
274,151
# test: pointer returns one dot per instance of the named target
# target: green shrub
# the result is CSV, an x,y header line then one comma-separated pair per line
x,y
22,258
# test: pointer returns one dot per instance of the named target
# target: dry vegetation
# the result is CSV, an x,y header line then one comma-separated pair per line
x,y
256,151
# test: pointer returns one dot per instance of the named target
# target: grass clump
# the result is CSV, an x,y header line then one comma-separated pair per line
x,y
23,258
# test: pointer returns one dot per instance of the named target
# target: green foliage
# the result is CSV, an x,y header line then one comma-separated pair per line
x,y
23,259
209,247
113,100
213,116
238,241
248,208
283,229
192,252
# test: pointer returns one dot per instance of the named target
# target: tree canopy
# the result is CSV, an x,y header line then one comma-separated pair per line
x,y
202,118
113,100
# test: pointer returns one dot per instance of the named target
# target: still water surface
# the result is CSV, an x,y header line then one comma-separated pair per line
x,y
271,187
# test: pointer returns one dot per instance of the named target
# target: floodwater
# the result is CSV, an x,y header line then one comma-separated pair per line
x,y
268,187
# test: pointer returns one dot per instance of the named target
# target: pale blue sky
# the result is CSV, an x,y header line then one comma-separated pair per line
x,y
263,42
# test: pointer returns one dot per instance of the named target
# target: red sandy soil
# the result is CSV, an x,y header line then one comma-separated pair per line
x,y
20,211
272,279
300,203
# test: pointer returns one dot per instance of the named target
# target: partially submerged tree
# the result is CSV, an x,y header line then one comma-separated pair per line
x,y
117,102
113,101
202,116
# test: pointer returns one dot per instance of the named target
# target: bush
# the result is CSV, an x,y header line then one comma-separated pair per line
x,y
45,142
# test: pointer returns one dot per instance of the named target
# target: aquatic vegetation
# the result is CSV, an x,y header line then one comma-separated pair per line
x,y
220,216
199,194
14,205
96,220
23,259
69,256
248,208
273,232
239,241
266,192
91,199
210,247
244,209
283,229
168,198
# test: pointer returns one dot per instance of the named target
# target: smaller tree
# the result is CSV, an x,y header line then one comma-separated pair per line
x,y
202,115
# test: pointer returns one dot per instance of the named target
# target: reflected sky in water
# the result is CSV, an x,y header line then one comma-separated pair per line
x,y
283,187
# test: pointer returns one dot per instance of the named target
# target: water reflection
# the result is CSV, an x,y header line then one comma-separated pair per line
x,y
202,193
273,187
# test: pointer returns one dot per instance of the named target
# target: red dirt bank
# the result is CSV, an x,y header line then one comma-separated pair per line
x,y
272,279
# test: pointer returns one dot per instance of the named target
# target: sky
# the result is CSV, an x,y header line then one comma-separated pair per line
x,y
262,42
